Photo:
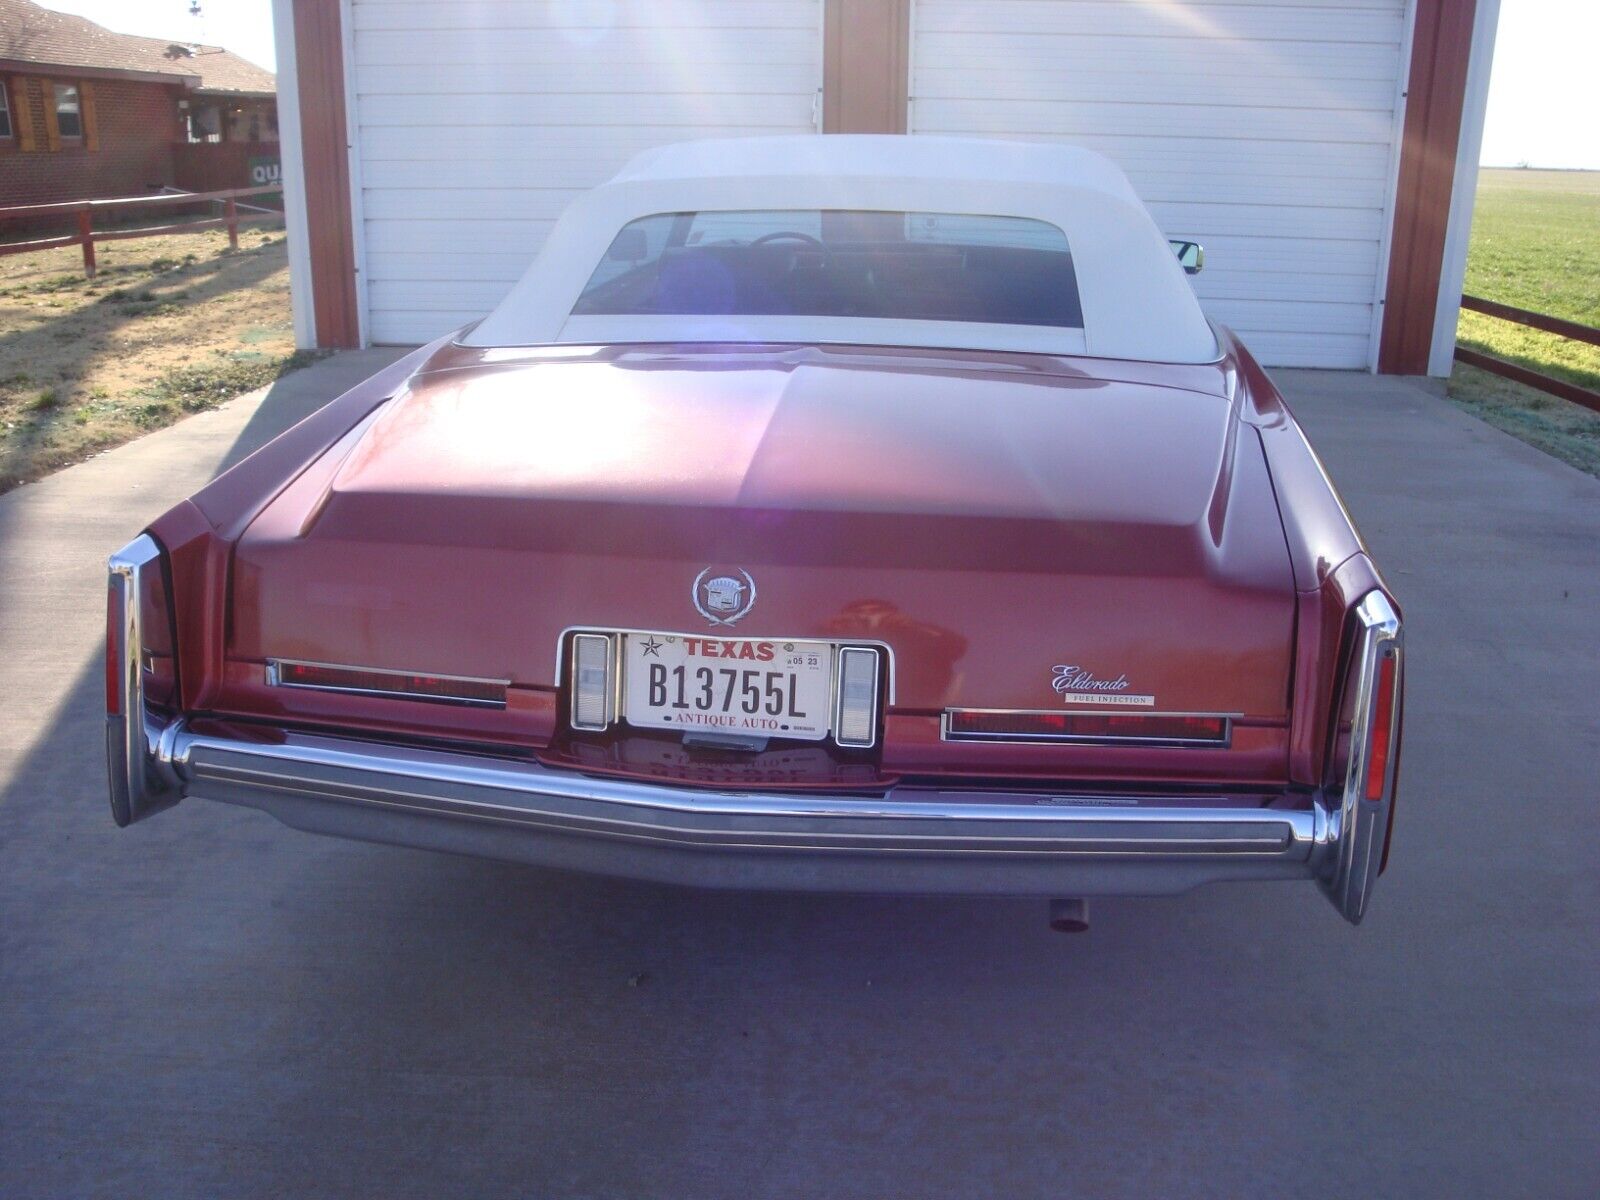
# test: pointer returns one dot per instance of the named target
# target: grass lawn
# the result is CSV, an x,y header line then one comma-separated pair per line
x,y
1535,244
170,326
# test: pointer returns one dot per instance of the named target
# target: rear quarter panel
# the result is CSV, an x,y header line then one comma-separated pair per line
x,y
199,533
1332,567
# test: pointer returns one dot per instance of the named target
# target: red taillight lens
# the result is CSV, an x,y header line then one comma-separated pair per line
x,y
1085,727
1382,743
114,651
397,684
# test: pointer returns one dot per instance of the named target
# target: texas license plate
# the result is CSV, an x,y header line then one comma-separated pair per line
x,y
746,687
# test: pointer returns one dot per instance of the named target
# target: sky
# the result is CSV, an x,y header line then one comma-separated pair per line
x,y
243,26
1544,89
1544,92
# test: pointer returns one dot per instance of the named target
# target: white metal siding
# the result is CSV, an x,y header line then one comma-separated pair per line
x,y
1264,129
476,123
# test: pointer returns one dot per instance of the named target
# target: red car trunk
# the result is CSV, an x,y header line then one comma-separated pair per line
x,y
992,526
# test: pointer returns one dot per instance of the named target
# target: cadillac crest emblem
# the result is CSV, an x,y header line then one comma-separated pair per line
x,y
722,597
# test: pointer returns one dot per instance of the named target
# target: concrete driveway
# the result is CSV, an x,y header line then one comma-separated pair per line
x,y
212,1005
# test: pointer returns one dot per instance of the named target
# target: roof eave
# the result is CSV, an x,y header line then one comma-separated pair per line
x,y
23,66
241,93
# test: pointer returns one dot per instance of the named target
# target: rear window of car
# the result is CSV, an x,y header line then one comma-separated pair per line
x,y
838,263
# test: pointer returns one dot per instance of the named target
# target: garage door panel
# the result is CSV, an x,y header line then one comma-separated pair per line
x,y
1281,316
1017,117
1314,189
1208,59
468,79
1308,258
1277,221
573,172
515,241
586,19
404,327
1088,84
1188,21
1265,129
515,147
468,204
1216,159
616,51
653,111
1335,352
436,265
477,124
458,295
1227,281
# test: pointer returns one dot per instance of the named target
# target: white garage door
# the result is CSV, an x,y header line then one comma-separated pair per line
x,y
1265,130
477,122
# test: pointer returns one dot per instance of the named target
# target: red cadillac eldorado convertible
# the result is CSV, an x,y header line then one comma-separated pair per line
x,y
847,513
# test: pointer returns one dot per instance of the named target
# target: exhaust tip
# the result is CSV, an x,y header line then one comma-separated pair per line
x,y
1070,916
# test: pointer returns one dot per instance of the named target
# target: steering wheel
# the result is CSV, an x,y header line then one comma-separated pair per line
x,y
789,235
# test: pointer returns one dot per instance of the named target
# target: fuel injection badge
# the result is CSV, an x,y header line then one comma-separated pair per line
x,y
1078,685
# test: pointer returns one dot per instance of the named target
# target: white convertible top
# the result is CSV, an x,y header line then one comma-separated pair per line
x,y
1136,299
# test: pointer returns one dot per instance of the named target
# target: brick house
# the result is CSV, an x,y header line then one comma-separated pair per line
x,y
87,113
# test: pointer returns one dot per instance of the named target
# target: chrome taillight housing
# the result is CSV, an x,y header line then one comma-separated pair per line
x,y
855,717
1365,753
141,676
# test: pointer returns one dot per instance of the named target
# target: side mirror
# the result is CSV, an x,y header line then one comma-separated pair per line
x,y
631,245
1191,255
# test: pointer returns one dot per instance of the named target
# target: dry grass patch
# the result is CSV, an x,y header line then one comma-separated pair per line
x,y
172,325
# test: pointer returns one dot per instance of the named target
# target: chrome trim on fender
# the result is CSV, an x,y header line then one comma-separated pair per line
x,y
1361,826
275,679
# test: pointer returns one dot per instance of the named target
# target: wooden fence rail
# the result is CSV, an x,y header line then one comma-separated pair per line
x,y
83,212
1527,375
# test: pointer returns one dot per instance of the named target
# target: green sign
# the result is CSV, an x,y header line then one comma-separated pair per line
x,y
265,169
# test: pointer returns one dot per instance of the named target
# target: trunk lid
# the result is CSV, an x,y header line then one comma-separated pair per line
x,y
1001,530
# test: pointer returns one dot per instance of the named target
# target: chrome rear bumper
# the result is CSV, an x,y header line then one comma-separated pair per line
x,y
912,839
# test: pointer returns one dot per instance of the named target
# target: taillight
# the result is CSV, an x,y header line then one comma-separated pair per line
x,y
1173,729
1363,756
158,654
1380,743
1364,742
141,656
115,652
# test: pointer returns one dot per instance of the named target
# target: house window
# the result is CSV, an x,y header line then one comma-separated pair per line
x,y
69,112
5,108
205,124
